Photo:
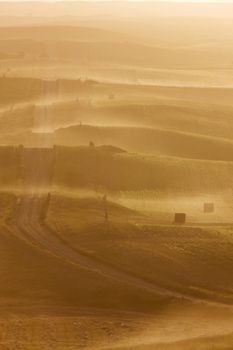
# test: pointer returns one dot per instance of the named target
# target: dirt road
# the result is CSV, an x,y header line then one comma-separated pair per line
x,y
28,224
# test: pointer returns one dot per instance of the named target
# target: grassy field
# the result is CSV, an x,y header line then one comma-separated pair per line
x,y
112,121
114,170
108,168
148,140
181,258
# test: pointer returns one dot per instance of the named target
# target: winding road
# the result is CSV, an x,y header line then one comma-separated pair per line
x,y
27,223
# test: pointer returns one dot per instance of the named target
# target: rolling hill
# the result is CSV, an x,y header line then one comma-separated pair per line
x,y
76,167
148,140
114,118
178,258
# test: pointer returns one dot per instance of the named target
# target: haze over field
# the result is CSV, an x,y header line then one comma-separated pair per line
x,y
114,117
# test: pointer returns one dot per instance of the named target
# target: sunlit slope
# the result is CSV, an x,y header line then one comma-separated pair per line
x,y
161,127
47,105
152,141
181,259
54,113
196,118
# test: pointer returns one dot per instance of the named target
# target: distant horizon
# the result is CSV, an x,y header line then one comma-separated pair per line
x,y
120,8
145,1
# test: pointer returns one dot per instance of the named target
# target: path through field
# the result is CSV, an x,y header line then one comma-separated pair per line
x,y
29,216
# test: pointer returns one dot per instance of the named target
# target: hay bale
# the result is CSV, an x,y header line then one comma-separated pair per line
x,y
180,218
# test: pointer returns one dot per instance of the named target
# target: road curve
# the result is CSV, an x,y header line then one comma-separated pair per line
x,y
28,226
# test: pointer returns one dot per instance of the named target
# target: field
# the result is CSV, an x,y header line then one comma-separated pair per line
x,y
113,118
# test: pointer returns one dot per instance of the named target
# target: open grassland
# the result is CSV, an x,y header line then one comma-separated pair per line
x,y
54,303
114,170
169,121
108,168
34,278
179,258
117,331
109,125
152,141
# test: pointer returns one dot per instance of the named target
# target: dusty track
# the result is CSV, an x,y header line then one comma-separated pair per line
x,y
28,225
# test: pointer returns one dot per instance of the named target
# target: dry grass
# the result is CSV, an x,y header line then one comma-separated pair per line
x,y
135,281
101,168
183,259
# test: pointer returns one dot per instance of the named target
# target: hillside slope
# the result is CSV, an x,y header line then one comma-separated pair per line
x,y
116,170
148,140
183,259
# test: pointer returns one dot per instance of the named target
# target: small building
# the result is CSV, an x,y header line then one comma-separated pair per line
x,y
180,218
208,207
